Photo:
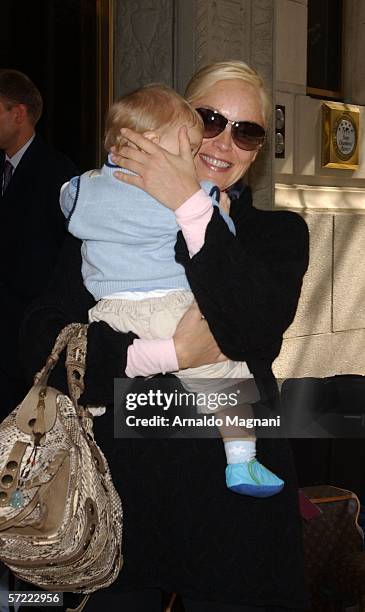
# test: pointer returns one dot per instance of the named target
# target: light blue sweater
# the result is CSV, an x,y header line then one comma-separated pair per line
x,y
128,236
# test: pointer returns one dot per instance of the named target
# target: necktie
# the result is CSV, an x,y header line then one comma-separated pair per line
x,y
8,172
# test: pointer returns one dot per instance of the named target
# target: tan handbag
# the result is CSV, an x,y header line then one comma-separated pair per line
x,y
60,515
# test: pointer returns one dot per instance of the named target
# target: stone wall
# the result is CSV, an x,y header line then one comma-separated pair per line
x,y
328,334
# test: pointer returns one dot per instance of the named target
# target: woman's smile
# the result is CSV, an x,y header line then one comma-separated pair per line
x,y
214,163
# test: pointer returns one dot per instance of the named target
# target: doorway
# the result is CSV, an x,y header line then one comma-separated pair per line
x,y
64,47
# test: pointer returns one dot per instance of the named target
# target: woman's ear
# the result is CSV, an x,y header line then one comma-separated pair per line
x,y
152,135
255,155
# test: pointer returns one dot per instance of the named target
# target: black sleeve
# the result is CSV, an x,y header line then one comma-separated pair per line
x,y
248,286
65,301
11,313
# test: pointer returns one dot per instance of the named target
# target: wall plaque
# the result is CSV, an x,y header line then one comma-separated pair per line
x,y
340,136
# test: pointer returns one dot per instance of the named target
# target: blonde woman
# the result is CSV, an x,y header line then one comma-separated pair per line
x,y
184,531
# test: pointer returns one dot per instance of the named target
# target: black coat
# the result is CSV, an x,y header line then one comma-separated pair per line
x,y
32,233
184,530
248,287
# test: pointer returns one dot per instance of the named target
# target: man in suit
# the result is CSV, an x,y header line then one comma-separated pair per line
x,y
32,225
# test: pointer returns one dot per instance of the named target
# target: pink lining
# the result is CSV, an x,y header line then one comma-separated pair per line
x,y
148,357
193,217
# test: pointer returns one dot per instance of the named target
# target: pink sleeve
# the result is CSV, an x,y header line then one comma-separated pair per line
x,y
149,357
193,217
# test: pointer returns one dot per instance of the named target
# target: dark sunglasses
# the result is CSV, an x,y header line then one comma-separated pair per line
x,y
246,135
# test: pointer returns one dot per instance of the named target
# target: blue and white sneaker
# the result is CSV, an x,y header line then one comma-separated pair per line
x,y
252,478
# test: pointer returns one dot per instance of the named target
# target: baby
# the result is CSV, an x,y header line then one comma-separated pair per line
x,y
128,257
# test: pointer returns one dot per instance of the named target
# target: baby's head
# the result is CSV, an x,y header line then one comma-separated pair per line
x,y
157,112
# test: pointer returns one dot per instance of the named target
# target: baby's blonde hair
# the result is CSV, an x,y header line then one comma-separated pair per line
x,y
152,107
209,75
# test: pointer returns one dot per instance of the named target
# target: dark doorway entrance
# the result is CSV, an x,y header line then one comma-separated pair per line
x,y
54,43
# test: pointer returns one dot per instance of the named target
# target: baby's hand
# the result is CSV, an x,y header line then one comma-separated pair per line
x,y
224,202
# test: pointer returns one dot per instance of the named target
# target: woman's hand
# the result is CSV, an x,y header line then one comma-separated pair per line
x,y
194,342
169,178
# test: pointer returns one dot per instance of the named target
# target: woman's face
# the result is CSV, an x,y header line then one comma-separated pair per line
x,y
219,159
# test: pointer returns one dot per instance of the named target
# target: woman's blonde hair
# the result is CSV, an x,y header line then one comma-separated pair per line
x,y
206,77
152,107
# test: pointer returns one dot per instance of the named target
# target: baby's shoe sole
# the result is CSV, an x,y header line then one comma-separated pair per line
x,y
255,490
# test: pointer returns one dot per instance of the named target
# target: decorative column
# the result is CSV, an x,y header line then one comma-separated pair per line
x,y
354,50
262,58
231,29
144,42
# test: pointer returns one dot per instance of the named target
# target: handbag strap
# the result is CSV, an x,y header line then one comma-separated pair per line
x,y
75,363
74,337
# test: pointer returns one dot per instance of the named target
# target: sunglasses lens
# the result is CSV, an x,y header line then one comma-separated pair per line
x,y
214,123
248,136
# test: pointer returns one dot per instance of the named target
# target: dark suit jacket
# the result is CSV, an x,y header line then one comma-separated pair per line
x,y
32,232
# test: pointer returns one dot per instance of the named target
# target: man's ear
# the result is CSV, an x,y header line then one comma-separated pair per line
x,y
20,113
152,135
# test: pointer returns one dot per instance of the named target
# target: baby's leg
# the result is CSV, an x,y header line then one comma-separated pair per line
x,y
244,474
239,441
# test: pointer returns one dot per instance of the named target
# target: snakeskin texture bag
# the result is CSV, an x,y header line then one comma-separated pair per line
x,y
60,515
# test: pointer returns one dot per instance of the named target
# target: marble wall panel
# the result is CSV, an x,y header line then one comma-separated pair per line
x,y
291,42
322,355
349,275
314,309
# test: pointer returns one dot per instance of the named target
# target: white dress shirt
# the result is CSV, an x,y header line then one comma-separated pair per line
x,y
19,154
